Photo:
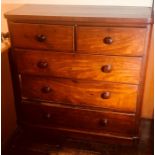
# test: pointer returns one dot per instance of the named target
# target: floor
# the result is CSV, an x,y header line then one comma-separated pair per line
x,y
23,144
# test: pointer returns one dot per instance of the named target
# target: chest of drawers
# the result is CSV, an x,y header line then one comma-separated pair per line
x,y
80,70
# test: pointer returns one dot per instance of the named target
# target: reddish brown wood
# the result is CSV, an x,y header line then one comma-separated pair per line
x,y
79,134
41,38
55,37
111,40
101,49
85,14
81,93
108,40
79,66
42,64
106,95
106,68
46,89
143,78
78,119
121,97
29,141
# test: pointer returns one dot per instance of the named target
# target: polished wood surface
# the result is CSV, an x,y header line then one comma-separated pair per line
x,y
26,144
80,93
111,41
78,66
115,71
104,14
54,37
70,118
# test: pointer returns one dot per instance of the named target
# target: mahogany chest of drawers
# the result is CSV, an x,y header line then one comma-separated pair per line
x,y
79,70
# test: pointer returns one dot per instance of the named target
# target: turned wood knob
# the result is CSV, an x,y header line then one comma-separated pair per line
x,y
58,146
106,68
105,95
47,116
108,40
40,37
46,89
103,122
42,64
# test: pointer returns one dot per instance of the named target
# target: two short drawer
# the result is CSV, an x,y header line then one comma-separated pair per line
x,y
83,39
78,119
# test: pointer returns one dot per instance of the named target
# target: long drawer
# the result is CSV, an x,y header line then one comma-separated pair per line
x,y
79,66
79,119
42,36
119,97
111,40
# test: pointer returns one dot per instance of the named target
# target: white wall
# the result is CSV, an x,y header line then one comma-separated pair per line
x,y
147,3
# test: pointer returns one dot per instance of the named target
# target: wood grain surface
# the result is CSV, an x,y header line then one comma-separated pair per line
x,y
78,66
125,41
57,37
85,120
123,97
26,144
96,59
100,14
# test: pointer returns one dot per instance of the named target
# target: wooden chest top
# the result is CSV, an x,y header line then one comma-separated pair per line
x,y
102,14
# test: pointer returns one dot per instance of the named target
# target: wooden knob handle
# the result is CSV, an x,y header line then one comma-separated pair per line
x,y
47,115
106,68
108,40
46,89
58,146
105,95
40,37
42,64
103,122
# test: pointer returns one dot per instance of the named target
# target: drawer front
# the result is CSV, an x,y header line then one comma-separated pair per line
x,y
111,41
91,67
69,118
119,97
40,36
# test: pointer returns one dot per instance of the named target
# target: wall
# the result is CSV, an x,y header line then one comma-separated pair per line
x,y
8,115
147,3
7,101
4,8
